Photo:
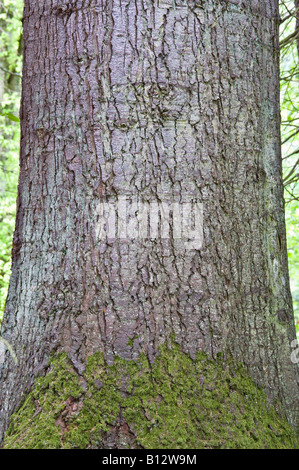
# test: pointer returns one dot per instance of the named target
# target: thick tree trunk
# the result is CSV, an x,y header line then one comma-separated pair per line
x,y
160,101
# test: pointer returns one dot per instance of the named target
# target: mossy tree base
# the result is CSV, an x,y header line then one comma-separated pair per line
x,y
175,403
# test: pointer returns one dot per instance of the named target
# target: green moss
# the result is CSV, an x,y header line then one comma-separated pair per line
x,y
174,403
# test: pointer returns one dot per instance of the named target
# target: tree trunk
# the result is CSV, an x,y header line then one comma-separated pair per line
x,y
297,24
135,337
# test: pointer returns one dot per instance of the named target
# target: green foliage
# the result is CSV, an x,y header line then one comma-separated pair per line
x,y
11,12
10,116
292,217
10,67
290,139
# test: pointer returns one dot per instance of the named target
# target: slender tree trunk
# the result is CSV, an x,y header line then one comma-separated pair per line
x,y
296,2
160,101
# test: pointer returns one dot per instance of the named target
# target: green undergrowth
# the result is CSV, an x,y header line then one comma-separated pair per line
x,y
175,403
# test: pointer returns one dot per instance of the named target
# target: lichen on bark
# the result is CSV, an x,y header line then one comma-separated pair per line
x,y
175,402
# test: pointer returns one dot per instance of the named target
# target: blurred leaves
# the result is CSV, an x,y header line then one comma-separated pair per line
x,y
10,84
289,44
10,116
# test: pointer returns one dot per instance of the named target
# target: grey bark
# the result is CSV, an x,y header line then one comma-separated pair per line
x,y
145,99
297,24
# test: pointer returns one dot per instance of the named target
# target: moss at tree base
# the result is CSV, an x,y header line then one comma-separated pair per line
x,y
175,403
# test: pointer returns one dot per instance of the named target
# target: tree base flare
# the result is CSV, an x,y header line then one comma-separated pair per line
x,y
174,403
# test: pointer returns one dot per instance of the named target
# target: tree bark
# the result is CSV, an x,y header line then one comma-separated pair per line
x,y
156,101
296,2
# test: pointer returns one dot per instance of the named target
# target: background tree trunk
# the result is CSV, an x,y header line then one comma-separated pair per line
x,y
162,101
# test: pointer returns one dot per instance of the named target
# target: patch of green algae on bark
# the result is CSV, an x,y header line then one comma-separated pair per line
x,y
175,403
